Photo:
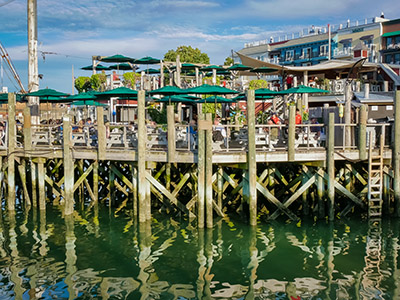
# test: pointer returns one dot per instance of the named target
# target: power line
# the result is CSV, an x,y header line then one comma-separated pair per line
x,y
7,2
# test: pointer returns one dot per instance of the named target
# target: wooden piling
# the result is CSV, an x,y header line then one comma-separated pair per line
x,y
251,157
27,132
22,175
330,160
171,133
396,155
321,197
68,167
96,182
142,138
34,183
41,181
208,174
134,190
12,140
220,186
362,133
201,156
101,134
292,132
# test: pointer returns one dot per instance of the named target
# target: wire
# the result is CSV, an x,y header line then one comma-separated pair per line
x,y
7,2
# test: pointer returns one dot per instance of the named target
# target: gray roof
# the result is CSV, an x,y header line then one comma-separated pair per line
x,y
374,98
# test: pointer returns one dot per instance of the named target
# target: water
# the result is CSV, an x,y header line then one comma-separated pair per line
x,y
48,257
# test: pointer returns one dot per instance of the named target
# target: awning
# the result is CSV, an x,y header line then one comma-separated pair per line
x,y
345,41
389,34
367,37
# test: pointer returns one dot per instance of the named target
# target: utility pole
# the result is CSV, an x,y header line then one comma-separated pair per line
x,y
33,74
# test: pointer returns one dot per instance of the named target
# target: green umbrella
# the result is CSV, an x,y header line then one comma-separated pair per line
x,y
302,89
118,92
43,93
265,92
83,96
210,68
179,98
98,68
118,58
186,66
55,99
168,90
124,66
216,99
207,89
239,67
4,97
87,103
148,60
242,97
263,70
150,71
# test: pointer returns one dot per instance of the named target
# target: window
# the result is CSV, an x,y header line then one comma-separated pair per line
x,y
306,52
323,50
289,55
388,58
389,42
397,40
367,43
397,58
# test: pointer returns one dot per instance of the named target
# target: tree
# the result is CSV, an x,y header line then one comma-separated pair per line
x,y
257,84
82,84
130,79
188,55
98,81
229,61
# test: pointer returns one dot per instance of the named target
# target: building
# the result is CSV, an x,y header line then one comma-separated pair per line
x,y
390,52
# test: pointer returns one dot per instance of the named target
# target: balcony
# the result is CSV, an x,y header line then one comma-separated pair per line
x,y
344,52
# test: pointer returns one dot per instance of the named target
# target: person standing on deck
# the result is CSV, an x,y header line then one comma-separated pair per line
x,y
298,119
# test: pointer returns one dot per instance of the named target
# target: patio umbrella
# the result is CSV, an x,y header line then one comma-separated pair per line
x,y
43,93
207,89
147,60
265,92
302,89
124,66
118,92
239,67
87,103
118,58
168,91
150,71
263,70
83,96
98,68
4,97
177,98
212,67
186,66
242,97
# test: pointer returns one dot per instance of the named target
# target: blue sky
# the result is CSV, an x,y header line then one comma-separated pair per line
x,y
76,30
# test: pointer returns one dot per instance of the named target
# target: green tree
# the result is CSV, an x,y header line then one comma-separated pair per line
x,y
130,79
98,81
82,84
258,84
229,61
188,55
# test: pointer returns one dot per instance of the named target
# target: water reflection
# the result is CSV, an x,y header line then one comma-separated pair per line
x,y
96,256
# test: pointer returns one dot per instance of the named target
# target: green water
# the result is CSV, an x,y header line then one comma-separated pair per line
x,y
48,257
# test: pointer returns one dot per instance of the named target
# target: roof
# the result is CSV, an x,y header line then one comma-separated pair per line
x,y
306,40
389,34
374,98
254,50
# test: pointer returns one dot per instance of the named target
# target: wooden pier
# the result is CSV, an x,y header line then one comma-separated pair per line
x,y
141,169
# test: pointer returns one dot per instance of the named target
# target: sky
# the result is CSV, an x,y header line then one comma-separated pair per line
x,y
75,30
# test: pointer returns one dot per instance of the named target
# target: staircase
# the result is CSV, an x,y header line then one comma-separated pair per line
x,y
375,179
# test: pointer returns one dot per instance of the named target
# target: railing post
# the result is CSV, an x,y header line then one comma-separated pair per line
x,y
331,165
142,185
362,133
396,155
101,134
292,132
12,140
68,166
171,133
251,157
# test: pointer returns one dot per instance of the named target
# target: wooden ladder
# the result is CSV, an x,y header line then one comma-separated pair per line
x,y
375,179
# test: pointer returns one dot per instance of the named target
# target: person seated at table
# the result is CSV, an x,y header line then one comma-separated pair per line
x,y
315,129
219,132
192,133
275,119
115,76
79,128
273,133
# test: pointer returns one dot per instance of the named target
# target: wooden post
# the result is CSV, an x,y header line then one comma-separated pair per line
x,y
178,71
12,141
168,176
68,166
201,156
396,155
34,183
331,165
348,94
161,74
27,131
41,181
171,133
22,174
101,134
305,95
197,78
142,186
362,133
321,197
304,196
96,181
134,191
292,133
251,157
208,173
220,186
